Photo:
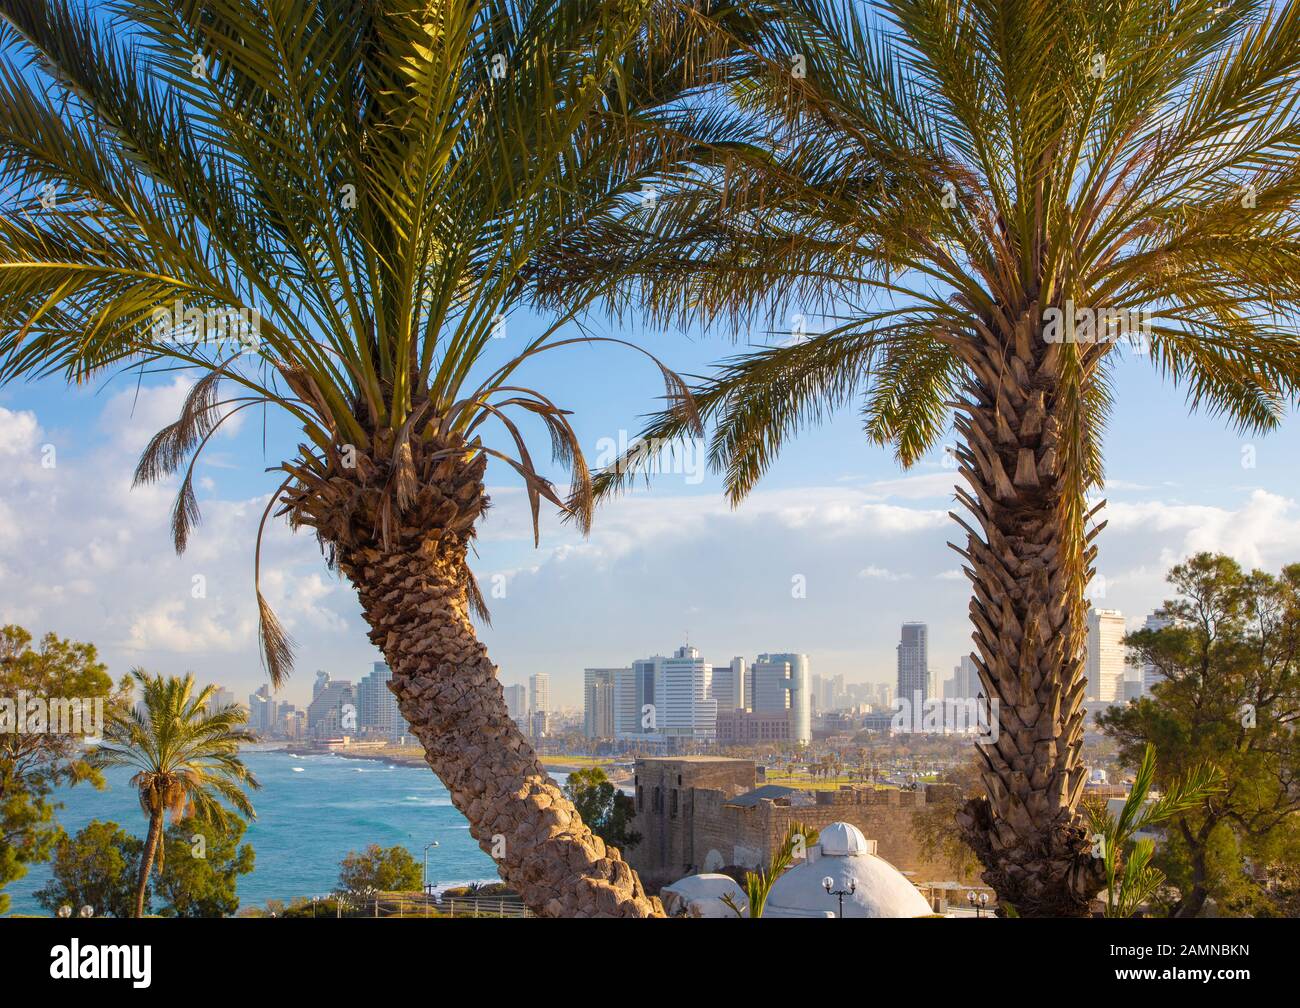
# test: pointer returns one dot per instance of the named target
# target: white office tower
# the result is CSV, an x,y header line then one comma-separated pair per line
x,y
729,685
1150,674
221,699
965,681
377,710
782,682
913,663
539,689
684,706
1105,666
262,710
517,705
634,692
598,693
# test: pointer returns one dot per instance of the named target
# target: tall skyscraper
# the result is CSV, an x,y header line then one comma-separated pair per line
x,y
913,663
517,705
683,686
539,689
1150,674
729,685
782,682
1105,665
634,690
598,693
965,681
221,698
261,711
377,710
333,709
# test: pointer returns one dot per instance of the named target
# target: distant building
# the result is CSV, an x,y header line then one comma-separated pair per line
x,y
1105,665
540,724
704,813
634,692
517,705
913,663
1150,674
685,709
378,714
752,728
598,689
333,709
262,711
965,682
729,685
539,692
782,682
221,699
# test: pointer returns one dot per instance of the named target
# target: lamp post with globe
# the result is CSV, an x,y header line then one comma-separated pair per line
x,y
828,884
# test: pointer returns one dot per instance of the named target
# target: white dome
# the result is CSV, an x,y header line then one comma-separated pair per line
x,y
847,858
701,896
841,838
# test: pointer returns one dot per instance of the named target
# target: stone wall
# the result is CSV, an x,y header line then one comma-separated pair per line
x,y
703,832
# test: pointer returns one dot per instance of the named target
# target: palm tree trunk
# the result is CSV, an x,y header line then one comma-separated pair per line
x,y
146,860
1029,562
415,592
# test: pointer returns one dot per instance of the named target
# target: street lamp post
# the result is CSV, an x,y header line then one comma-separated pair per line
x,y
424,880
828,884
978,901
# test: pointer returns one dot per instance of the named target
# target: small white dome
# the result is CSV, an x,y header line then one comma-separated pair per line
x,y
702,896
848,859
840,838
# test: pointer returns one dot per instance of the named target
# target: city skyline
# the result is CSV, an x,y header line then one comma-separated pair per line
x,y
868,542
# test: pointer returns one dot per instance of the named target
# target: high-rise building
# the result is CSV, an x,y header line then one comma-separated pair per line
x,y
539,696
598,693
377,710
221,699
333,709
965,682
913,663
517,705
729,685
1150,674
683,687
262,711
1105,664
634,698
782,682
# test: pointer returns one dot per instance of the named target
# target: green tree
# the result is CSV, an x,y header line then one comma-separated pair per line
x,y
186,758
603,807
990,204
379,869
798,838
203,865
1132,880
34,764
1227,692
337,209
98,868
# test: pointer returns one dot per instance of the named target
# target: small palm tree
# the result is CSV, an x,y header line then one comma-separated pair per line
x,y
332,209
991,203
186,758
758,884
1131,878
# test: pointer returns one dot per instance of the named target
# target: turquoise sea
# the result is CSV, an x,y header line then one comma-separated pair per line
x,y
311,811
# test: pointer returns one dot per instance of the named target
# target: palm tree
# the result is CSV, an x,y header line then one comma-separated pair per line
x,y
185,756
331,208
989,201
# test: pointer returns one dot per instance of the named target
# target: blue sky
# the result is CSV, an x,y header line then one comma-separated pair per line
x,y
83,555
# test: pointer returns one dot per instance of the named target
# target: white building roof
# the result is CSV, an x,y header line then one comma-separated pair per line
x,y
849,860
